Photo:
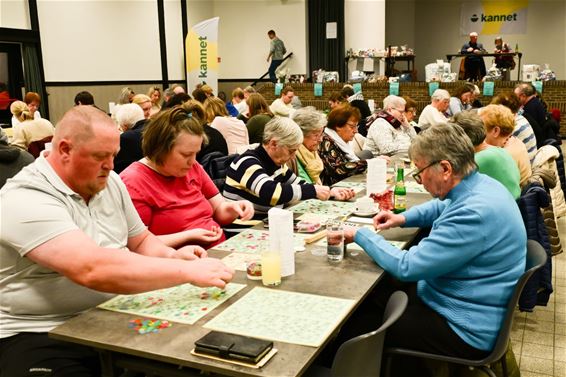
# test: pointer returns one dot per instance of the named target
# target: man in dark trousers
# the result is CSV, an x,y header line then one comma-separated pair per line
x,y
277,51
474,65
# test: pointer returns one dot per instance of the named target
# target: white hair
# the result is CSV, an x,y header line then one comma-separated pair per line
x,y
284,130
392,101
309,119
440,94
127,115
473,34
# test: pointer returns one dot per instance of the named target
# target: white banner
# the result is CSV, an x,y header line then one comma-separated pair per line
x,y
202,54
494,17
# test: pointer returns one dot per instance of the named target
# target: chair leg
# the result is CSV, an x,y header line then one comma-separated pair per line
x,y
504,365
387,365
487,371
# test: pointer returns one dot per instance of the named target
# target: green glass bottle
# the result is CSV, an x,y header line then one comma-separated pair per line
x,y
400,192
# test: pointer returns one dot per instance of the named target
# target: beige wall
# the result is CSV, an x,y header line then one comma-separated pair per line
x,y
14,14
364,22
61,98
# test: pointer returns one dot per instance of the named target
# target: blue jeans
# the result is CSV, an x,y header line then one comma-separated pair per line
x,y
272,67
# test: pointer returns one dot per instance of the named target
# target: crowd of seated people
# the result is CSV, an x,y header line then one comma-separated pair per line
x,y
158,144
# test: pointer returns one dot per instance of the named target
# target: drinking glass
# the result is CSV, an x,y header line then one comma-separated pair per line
x,y
271,268
335,241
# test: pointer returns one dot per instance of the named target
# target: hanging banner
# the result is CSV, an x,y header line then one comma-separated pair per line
x,y
202,54
494,17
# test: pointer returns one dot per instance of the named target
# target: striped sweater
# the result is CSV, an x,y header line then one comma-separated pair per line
x,y
255,177
524,132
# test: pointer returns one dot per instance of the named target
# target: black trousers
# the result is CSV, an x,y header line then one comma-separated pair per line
x,y
419,328
474,69
37,355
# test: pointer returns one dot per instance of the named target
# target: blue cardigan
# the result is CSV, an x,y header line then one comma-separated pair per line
x,y
469,264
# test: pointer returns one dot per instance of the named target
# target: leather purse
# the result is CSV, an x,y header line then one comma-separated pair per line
x,y
233,347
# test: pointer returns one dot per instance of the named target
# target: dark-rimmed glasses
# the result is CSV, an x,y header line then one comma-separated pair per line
x,y
417,176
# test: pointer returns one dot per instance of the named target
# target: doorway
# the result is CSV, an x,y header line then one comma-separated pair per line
x,y
11,79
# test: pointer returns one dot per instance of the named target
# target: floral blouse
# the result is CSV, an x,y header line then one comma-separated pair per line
x,y
336,165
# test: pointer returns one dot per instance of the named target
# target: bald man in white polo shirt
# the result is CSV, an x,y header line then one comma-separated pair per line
x,y
70,239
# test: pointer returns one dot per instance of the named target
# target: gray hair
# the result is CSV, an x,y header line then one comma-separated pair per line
x,y
127,115
472,125
526,88
250,89
168,93
284,130
445,142
392,101
440,94
309,119
125,95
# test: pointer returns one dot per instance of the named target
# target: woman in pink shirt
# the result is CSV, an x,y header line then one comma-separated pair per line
x,y
172,193
233,129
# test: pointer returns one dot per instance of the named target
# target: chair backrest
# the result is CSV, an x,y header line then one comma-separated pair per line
x,y
216,165
358,144
361,356
35,147
536,258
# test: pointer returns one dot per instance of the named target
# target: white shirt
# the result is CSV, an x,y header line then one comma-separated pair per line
x,y
431,116
279,108
384,139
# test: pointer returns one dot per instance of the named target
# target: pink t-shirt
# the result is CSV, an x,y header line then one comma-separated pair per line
x,y
169,204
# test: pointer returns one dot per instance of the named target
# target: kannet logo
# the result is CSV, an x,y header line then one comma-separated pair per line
x,y
494,18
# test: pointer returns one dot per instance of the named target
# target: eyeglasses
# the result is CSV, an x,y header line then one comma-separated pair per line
x,y
417,175
352,125
399,110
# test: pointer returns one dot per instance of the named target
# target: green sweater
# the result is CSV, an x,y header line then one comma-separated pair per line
x,y
499,165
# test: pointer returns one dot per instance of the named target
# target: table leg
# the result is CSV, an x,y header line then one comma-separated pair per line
x,y
108,369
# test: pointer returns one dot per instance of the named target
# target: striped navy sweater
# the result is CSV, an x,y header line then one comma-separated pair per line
x,y
255,177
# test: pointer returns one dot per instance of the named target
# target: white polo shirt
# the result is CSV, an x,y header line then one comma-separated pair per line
x,y
35,207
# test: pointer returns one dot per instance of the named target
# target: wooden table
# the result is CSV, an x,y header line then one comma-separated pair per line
x,y
165,351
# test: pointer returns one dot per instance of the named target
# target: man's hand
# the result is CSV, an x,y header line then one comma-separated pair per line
x,y
387,219
322,192
210,272
349,234
342,193
470,49
190,252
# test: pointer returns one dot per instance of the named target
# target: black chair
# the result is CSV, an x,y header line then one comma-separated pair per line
x,y
536,258
361,356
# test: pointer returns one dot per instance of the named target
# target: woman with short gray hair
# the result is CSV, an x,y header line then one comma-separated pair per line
x,y
390,134
434,113
456,147
128,115
261,175
307,164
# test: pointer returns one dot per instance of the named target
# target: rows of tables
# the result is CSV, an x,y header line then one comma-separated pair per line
x,y
168,351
